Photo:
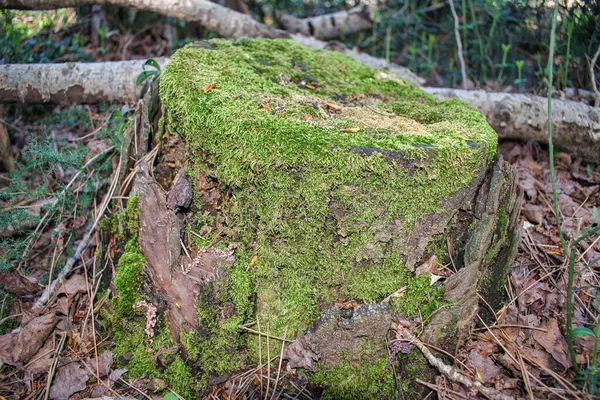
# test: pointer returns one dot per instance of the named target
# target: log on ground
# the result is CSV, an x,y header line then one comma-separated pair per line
x,y
575,125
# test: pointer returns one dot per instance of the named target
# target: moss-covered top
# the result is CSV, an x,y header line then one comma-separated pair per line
x,y
312,149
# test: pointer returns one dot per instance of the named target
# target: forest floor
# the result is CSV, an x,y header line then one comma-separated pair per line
x,y
523,353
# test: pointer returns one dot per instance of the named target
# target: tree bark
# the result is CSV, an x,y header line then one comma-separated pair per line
x,y
329,26
576,126
112,82
216,18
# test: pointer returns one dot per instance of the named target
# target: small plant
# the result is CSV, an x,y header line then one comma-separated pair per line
x,y
590,375
505,50
388,43
519,80
564,72
430,44
153,72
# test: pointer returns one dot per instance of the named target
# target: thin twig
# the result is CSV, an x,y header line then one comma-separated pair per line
x,y
264,334
461,60
449,371
593,77
280,362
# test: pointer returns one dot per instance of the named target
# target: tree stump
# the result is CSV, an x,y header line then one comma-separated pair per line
x,y
295,194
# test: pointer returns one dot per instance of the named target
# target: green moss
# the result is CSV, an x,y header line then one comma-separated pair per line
x,y
354,381
132,216
128,278
421,299
284,176
179,378
410,367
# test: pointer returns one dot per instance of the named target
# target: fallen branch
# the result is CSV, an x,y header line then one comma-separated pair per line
x,y
212,16
68,83
447,370
576,125
329,26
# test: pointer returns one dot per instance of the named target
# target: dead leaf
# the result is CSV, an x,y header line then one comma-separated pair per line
x,y
484,365
14,282
350,130
300,355
117,374
75,284
105,361
266,107
311,87
429,267
333,107
20,345
68,380
554,342
534,213
306,117
209,87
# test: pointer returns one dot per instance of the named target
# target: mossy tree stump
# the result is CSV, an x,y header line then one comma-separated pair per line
x,y
298,189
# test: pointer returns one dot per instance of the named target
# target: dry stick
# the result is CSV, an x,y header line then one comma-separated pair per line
x,y
82,245
450,372
437,388
280,361
91,305
525,376
54,364
269,363
588,249
260,354
593,77
511,326
264,334
463,69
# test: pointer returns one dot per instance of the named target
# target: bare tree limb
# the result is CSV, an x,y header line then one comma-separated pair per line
x,y
216,18
447,370
576,125
329,26
111,82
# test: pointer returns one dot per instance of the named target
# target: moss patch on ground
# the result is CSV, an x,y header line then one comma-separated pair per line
x,y
327,165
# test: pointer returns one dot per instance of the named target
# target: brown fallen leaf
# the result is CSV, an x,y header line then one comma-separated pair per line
x,y
429,267
75,284
300,355
334,107
306,117
311,87
209,87
69,379
484,365
105,361
266,107
350,130
554,342
20,345
14,282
